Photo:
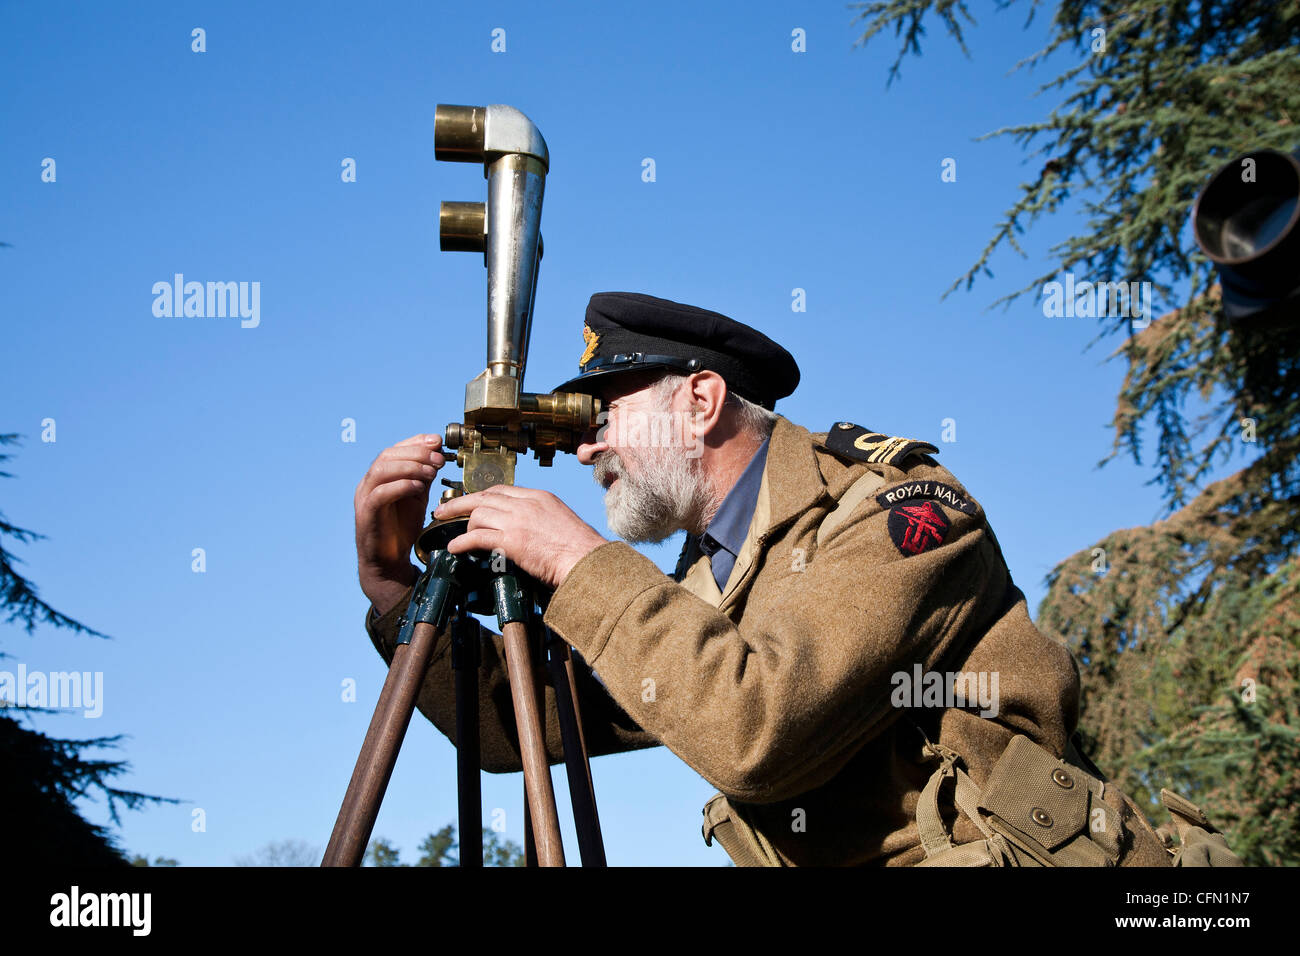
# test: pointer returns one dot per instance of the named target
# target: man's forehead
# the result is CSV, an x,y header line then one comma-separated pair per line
x,y
621,386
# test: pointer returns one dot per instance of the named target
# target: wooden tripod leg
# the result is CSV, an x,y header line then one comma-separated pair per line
x,y
374,766
538,790
530,845
581,790
465,660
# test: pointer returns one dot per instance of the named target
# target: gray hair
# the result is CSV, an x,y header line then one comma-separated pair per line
x,y
752,419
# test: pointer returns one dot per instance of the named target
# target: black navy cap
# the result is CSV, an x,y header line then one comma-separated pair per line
x,y
629,332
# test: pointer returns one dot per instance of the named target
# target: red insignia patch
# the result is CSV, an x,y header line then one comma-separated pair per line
x,y
918,527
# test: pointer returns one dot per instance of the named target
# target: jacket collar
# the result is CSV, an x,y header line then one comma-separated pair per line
x,y
792,483
794,480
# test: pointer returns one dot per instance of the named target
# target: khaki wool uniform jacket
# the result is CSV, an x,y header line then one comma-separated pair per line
x,y
778,690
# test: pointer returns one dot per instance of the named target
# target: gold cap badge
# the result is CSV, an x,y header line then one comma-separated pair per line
x,y
592,339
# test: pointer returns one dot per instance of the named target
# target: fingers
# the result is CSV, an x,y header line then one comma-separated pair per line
x,y
484,539
464,504
460,505
489,519
485,516
390,468
426,449
415,451
485,529
395,464
431,440
392,491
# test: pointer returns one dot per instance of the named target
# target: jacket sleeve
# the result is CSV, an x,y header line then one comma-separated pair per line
x,y
606,728
775,705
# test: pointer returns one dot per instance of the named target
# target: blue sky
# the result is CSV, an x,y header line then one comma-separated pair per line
x,y
775,170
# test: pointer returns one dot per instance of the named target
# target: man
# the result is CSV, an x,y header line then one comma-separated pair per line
x,y
841,651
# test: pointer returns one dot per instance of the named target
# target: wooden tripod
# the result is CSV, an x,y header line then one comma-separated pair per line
x,y
452,588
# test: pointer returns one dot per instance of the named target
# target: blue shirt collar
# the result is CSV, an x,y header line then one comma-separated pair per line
x,y
731,523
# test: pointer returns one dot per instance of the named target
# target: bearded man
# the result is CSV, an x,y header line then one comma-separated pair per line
x,y
822,654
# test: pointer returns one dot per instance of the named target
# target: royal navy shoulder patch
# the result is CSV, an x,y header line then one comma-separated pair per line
x,y
862,444
914,491
917,527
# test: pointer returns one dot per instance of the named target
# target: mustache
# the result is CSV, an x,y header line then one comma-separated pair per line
x,y
606,466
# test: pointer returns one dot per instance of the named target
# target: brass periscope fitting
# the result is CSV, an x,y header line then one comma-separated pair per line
x,y
501,420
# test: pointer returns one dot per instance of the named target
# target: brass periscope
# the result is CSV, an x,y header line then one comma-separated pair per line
x,y
501,420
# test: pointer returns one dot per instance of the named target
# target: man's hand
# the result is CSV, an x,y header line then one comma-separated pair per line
x,y
389,504
534,529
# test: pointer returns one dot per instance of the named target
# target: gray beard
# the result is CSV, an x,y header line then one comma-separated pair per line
x,y
669,492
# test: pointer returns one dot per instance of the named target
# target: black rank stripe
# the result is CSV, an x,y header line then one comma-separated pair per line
x,y
862,444
922,490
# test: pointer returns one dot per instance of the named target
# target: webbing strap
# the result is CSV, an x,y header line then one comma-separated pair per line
x,y
966,795
934,836
725,833
968,854
1186,814
968,798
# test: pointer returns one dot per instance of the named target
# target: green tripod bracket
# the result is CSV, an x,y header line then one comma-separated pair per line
x,y
509,599
429,601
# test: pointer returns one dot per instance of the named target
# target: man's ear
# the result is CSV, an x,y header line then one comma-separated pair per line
x,y
707,393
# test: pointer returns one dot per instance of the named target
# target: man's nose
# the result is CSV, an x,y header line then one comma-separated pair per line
x,y
588,447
